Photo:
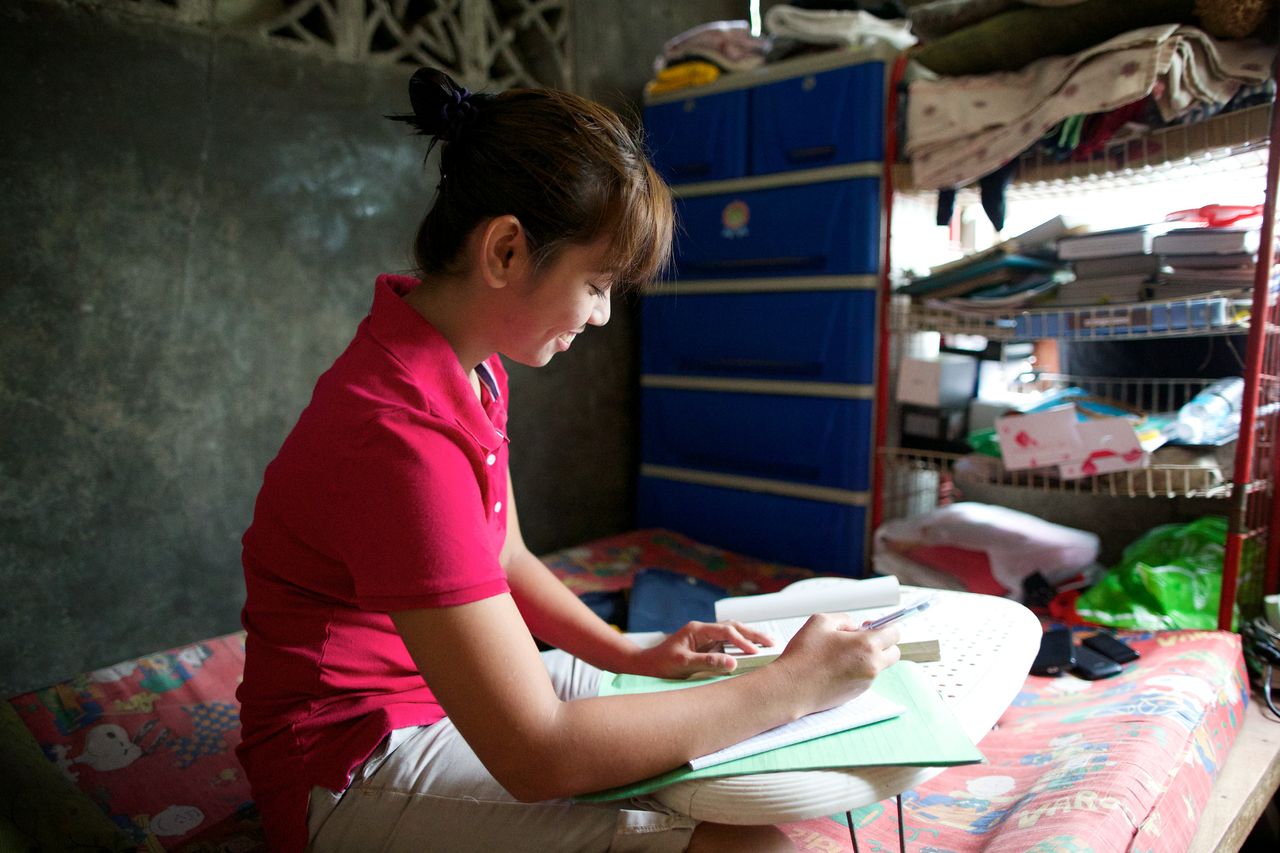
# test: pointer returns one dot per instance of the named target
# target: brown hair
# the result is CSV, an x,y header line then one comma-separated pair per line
x,y
568,168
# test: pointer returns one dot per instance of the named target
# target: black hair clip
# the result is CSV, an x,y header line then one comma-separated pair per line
x,y
441,108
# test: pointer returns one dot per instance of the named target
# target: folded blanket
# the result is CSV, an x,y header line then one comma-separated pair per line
x,y
728,44
961,128
859,29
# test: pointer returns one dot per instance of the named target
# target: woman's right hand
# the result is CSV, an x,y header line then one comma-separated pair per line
x,y
834,660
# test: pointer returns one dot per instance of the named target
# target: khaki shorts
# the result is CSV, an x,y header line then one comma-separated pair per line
x,y
423,789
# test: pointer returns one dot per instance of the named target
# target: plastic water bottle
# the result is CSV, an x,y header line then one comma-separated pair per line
x,y
1213,414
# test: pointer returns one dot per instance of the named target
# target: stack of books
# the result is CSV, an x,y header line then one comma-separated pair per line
x,y
1205,260
974,274
1111,267
1010,273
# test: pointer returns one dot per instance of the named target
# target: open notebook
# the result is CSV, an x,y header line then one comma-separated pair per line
x,y
924,734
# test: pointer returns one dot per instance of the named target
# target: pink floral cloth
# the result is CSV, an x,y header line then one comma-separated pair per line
x,y
1115,765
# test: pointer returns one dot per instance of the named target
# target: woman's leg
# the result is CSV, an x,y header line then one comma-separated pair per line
x,y
426,790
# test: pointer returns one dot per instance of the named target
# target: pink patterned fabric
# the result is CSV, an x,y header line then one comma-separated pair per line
x,y
1122,764
151,741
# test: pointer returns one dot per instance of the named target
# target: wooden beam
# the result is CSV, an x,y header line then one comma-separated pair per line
x,y
1245,785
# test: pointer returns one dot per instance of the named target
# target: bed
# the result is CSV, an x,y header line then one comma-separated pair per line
x,y
140,755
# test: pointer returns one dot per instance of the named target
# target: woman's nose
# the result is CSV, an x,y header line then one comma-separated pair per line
x,y
600,313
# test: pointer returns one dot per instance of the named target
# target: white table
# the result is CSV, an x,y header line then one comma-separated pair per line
x,y
987,646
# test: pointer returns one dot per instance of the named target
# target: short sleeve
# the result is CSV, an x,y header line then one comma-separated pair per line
x,y
411,521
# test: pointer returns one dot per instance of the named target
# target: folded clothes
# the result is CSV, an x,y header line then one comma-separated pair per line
x,y
728,44
682,76
837,27
960,128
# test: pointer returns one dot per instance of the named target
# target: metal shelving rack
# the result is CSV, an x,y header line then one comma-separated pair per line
x,y
908,481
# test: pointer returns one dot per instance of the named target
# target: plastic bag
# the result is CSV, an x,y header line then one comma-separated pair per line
x,y
1170,577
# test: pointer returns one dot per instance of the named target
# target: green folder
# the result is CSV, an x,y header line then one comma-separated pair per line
x,y
926,734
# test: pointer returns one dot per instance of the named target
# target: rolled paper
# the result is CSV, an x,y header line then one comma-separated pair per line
x,y
809,596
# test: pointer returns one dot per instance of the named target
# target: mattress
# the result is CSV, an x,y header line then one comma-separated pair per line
x,y
140,756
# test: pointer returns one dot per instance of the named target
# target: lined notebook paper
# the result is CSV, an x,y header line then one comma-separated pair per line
x,y
926,734
868,708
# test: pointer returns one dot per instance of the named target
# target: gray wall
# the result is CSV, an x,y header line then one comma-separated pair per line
x,y
192,224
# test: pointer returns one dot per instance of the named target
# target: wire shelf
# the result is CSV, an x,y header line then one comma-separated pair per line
x,y
918,480
1214,313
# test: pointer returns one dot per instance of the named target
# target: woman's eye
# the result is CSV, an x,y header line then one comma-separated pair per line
x,y
595,289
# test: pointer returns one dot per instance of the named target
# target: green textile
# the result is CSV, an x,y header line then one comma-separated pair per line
x,y
1012,39
1169,578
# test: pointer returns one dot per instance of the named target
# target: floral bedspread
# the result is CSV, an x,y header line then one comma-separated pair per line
x,y
1074,766
1120,764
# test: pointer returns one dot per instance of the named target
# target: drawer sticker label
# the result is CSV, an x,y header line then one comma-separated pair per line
x,y
734,218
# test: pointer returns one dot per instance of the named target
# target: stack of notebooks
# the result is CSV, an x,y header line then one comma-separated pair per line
x,y
1008,274
1111,267
1205,260
1159,262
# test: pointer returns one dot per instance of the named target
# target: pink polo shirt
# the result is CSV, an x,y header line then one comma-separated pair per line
x,y
388,495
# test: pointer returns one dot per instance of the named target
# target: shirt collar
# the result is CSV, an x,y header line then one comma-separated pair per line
x,y
486,376
416,344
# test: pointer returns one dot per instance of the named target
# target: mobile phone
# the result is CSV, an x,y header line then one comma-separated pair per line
x,y
1091,665
1108,646
1057,653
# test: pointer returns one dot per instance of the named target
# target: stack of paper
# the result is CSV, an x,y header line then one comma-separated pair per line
x,y
925,734
900,721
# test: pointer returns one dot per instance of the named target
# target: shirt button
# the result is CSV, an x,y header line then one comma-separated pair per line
x,y
490,459
497,507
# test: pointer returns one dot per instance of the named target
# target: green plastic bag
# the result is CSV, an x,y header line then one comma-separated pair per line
x,y
984,441
1170,577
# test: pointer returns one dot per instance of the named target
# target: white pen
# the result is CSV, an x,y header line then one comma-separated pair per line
x,y
922,604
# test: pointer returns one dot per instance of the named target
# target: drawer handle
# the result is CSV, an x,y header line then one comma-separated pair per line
x,y
690,170
726,366
808,155
798,262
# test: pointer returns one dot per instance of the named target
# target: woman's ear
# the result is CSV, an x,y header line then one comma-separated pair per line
x,y
504,251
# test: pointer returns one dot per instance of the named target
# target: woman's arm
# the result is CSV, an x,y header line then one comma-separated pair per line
x,y
558,617
483,666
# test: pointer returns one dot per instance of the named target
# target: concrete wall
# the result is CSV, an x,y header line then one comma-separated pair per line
x,y
192,224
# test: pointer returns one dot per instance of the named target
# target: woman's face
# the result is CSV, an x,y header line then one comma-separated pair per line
x,y
555,306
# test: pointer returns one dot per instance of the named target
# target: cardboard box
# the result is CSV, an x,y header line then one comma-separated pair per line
x,y
1039,439
1110,444
943,382
1079,448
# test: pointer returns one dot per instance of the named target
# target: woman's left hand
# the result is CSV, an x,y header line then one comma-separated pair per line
x,y
698,647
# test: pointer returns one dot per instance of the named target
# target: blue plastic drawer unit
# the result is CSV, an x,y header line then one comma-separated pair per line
x,y
815,336
819,441
699,139
825,537
829,228
821,119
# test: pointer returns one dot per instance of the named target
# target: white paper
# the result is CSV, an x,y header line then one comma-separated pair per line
x,y
809,596
870,707
783,630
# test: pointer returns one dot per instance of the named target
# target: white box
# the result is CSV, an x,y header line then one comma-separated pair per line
x,y
1079,448
942,382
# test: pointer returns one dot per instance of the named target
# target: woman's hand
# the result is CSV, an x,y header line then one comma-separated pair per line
x,y
698,647
834,659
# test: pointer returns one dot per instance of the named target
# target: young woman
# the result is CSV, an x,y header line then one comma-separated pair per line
x,y
393,696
